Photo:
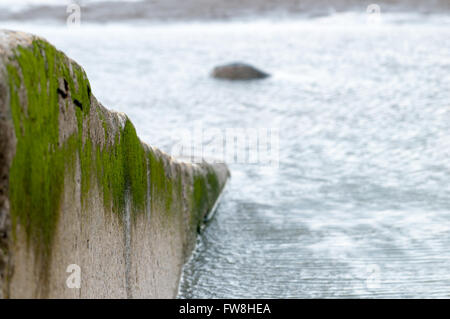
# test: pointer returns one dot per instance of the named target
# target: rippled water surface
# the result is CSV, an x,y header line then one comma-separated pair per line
x,y
360,203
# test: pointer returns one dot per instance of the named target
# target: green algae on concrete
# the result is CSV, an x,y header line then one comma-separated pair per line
x,y
120,167
160,183
46,89
205,193
67,153
36,179
42,160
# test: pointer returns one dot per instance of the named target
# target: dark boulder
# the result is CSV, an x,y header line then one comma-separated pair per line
x,y
238,71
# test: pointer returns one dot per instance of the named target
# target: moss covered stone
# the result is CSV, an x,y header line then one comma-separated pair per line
x,y
42,161
36,177
50,94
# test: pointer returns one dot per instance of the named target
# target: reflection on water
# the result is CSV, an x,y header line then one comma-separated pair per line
x,y
360,204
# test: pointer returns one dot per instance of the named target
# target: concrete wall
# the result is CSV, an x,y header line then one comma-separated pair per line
x,y
77,186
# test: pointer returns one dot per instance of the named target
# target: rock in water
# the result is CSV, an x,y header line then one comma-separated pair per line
x,y
238,71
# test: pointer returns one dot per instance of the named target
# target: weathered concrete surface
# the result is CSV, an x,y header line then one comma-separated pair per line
x,y
238,72
78,187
